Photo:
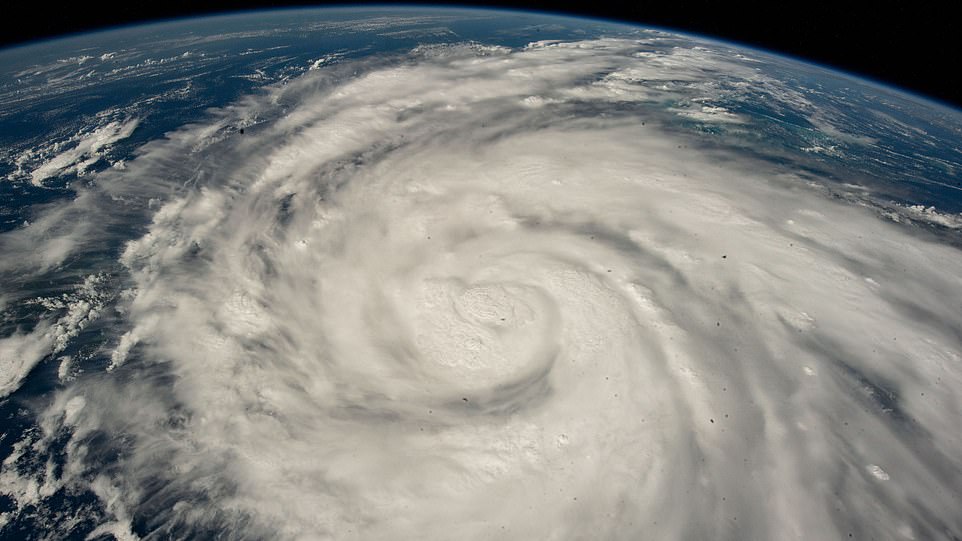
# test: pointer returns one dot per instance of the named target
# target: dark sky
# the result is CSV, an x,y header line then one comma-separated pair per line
x,y
910,44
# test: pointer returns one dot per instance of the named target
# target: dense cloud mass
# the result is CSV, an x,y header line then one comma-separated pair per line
x,y
478,292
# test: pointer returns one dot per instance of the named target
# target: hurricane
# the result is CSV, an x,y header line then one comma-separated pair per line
x,y
482,291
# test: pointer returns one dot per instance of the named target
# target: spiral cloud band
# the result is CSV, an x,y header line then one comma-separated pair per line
x,y
482,292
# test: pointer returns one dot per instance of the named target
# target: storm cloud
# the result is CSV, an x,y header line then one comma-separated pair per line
x,y
482,291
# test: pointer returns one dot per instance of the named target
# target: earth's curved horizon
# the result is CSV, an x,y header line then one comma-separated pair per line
x,y
214,16
416,272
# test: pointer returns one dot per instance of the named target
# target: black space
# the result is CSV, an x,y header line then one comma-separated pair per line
x,y
909,44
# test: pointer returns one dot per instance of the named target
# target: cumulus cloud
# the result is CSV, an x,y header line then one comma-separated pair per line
x,y
931,215
21,351
477,290
74,155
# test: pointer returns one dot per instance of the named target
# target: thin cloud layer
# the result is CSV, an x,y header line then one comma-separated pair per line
x,y
493,292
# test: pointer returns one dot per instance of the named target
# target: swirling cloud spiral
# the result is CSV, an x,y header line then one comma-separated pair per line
x,y
481,292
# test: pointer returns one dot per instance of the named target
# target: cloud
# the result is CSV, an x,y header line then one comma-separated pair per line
x,y
478,288
75,155
19,353
931,215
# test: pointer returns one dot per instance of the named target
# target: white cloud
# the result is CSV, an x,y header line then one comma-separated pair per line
x,y
74,155
19,353
708,113
86,152
931,215
385,309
